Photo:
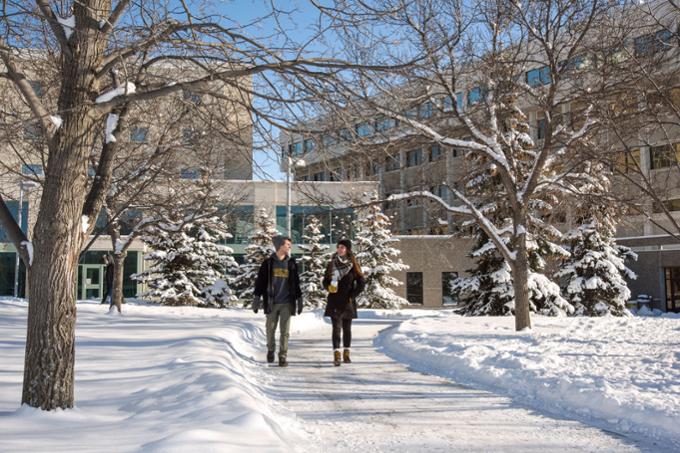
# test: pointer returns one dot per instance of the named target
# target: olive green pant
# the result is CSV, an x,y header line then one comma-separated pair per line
x,y
281,313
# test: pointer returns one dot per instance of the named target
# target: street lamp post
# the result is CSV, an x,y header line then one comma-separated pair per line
x,y
289,192
23,186
290,168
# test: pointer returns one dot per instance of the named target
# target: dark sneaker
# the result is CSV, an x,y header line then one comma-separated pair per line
x,y
345,356
283,361
270,357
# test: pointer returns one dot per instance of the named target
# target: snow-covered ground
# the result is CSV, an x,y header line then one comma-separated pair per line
x,y
157,379
189,379
622,374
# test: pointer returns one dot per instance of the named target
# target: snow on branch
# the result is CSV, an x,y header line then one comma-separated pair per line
x,y
68,24
489,147
28,245
111,125
128,88
469,210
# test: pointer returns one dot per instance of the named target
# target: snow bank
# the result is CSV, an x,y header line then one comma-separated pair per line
x,y
155,379
619,373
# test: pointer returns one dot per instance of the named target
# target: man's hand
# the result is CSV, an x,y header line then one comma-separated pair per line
x,y
257,303
299,306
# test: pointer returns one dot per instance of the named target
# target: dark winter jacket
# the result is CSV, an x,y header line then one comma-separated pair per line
x,y
342,304
264,286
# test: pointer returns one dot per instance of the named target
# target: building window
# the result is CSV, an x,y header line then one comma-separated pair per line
x,y
393,163
442,191
435,152
414,158
295,149
627,162
139,134
672,275
539,76
328,140
374,167
38,87
411,113
32,131
363,129
447,280
309,145
32,169
664,156
652,42
574,64
384,124
474,95
189,173
319,176
346,135
426,110
670,205
541,129
192,97
189,136
448,102
414,287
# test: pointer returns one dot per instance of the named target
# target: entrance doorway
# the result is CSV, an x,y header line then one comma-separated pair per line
x,y
92,281
672,289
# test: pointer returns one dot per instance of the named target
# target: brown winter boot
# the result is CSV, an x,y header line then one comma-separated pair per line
x,y
345,356
336,358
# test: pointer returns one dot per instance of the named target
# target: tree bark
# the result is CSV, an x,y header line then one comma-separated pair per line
x,y
520,283
118,268
58,234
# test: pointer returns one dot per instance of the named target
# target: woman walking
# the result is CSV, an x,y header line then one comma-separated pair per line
x,y
344,281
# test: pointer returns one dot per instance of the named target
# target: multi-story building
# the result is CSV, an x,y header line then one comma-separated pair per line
x,y
252,196
383,150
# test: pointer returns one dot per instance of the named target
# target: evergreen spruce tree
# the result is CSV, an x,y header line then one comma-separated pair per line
x,y
315,260
257,251
594,275
378,258
187,261
488,289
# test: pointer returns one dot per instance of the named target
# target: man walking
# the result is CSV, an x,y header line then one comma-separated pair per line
x,y
277,289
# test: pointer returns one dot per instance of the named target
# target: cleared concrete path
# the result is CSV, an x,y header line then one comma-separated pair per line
x,y
377,404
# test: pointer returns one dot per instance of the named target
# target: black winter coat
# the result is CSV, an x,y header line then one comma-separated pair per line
x,y
264,289
342,304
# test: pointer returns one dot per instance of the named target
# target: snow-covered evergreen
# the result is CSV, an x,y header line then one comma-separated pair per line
x,y
378,258
259,248
594,275
188,261
487,290
315,258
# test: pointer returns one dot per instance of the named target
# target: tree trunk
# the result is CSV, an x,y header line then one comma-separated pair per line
x,y
58,234
520,283
118,268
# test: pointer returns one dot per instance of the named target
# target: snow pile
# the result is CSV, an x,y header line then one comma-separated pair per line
x,y
619,373
155,379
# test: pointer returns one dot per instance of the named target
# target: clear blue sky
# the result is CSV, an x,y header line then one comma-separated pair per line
x,y
300,14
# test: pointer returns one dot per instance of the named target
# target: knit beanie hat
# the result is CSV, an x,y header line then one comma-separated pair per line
x,y
346,242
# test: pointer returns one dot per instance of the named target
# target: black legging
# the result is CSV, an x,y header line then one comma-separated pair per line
x,y
346,326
